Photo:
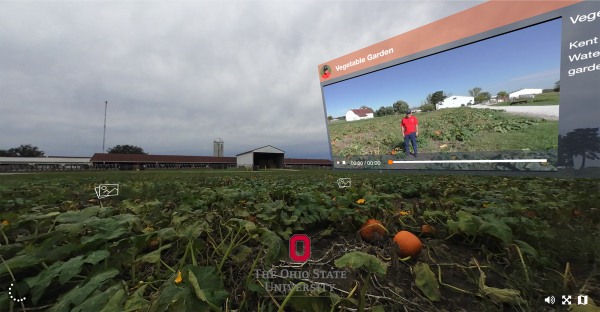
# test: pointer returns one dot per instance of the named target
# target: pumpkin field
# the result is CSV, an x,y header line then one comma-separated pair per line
x,y
219,241
462,129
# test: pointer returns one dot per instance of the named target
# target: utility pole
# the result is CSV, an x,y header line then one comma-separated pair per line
x,y
104,136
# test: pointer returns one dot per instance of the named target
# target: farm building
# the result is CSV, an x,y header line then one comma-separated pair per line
x,y
45,163
265,156
142,161
455,101
358,114
524,92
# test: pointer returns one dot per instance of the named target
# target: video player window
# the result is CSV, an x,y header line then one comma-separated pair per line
x,y
477,106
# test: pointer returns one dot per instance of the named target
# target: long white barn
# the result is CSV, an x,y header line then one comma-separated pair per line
x,y
455,101
358,114
517,93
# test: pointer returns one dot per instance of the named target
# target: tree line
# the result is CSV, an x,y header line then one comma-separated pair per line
x,y
400,107
34,151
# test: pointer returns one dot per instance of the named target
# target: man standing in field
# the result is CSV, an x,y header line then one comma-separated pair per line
x,y
410,131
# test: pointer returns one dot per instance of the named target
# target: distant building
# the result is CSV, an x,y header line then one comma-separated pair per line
x,y
266,156
455,101
526,92
358,114
218,147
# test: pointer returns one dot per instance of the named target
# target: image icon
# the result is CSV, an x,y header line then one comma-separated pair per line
x,y
344,182
106,190
325,71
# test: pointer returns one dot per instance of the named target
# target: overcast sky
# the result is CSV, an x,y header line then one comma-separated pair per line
x,y
178,75
535,65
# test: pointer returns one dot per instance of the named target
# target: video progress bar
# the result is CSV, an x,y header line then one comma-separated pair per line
x,y
469,161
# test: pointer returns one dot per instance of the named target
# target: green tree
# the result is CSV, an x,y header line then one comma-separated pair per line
x,y
384,111
329,117
483,96
475,92
400,107
427,107
389,111
22,151
126,149
557,86
437,97
502,94
5,153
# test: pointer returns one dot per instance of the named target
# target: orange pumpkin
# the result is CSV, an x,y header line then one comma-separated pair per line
x,y
410,245
427,230
372,226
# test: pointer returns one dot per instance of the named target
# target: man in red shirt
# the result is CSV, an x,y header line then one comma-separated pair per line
x,y
410,131
326,72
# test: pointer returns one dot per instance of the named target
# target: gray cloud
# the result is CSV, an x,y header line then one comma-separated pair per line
x,y
177,75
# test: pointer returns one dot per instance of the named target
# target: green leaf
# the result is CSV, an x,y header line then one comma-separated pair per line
x,y
78,294
327,232
199,293
167,234
70,228
498,229
302,301
77,216
165,295
105,229
183,296
153,257
377,309
18,262
70,269
357,259
136,301
426,281
526,248
241,254
433,213
257,288
249,226
115,302
286,234
97,301
192,229
276,248
39,283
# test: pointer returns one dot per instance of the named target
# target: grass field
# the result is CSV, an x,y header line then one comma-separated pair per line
x,y
193,240
551,98
453,129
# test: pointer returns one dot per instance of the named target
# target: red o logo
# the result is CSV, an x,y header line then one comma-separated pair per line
x,y
299,238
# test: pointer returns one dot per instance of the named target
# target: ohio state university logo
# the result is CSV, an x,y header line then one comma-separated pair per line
x,y
296,238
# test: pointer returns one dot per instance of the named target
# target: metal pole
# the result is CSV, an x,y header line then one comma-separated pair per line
x,y
104,136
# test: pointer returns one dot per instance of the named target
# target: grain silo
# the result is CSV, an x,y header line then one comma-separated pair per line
x,y
218,148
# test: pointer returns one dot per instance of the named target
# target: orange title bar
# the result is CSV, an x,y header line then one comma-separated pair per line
x,y
478,19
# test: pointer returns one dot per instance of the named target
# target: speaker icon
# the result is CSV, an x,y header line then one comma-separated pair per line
x,y
550,299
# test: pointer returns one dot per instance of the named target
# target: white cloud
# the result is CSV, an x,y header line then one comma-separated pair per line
x,y
178,75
